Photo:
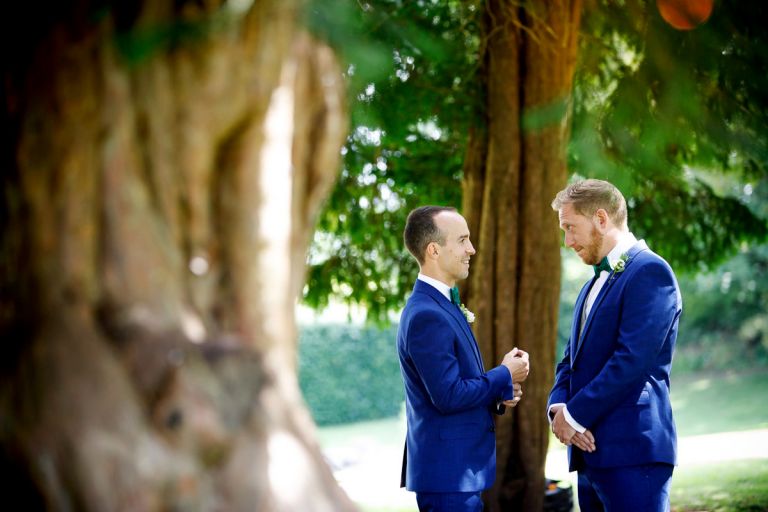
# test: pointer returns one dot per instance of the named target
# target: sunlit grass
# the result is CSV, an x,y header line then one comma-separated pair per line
x,y
719,402
732,486
703,404
387,431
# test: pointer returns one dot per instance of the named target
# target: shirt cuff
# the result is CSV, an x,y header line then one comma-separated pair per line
x,y
550,414
572,422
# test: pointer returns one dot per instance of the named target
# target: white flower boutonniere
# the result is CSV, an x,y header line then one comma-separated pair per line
x,y
621,264
470,316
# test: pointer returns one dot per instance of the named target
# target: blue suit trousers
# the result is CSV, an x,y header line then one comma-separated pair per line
x,y
643,488
449,501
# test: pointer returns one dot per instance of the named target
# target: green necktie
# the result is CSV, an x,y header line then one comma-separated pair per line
x,y
603,265
455,296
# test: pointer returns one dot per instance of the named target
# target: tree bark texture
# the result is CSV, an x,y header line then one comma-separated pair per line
x,y
514,167
162,168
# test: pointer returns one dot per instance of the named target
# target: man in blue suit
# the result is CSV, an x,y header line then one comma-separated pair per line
x,y
610,401
450,449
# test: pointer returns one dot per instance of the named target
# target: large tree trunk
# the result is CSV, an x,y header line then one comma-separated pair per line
x,y
514,167
162,167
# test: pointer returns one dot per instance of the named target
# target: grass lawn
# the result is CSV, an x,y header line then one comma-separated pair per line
x,y
718,402
735,486
705,406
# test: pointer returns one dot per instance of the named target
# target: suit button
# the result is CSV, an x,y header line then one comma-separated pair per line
x,y
493,429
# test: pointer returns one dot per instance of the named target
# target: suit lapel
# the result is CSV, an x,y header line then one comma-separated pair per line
x,y
457,315
577,316
633,251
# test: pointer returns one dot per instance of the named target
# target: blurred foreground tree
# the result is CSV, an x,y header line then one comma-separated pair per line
x,y
163,164
491,93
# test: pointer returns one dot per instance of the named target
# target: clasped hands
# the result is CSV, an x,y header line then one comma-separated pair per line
x,y
567,435
517,363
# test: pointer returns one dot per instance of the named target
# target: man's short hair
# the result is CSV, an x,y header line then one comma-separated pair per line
x,y
421,230
588,196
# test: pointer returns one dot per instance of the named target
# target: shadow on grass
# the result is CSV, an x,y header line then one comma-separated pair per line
x,y
733,486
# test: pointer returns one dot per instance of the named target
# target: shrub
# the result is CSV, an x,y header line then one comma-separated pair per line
x,y
349,373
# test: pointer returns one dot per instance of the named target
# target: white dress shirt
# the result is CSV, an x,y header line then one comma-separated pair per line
x,y
624,244
441,286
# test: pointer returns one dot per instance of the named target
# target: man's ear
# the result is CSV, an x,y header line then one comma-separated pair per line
x,y
432,250
602,219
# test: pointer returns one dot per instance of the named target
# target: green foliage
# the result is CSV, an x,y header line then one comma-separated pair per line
x,y
410,119
674,118
725,320
349,373
660,111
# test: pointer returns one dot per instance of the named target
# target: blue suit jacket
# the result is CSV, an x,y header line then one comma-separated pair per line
x,y
614,379
449,398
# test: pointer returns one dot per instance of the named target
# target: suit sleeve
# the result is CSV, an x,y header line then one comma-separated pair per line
x,y
650,307
559,393
430,347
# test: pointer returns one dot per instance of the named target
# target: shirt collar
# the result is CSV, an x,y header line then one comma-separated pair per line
x,y
441,286
624,244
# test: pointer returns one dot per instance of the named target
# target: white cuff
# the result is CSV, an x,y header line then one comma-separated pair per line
x,y
549,412
572,422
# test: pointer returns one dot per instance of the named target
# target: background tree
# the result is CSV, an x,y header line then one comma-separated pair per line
x,y
515,164
481,92
163,163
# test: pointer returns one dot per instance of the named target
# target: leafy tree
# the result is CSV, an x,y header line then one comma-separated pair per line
x,y
426,124
481,92
725,321
410,67
662,112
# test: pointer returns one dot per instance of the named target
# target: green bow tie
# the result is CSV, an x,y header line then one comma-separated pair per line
x,y
603,265
455,296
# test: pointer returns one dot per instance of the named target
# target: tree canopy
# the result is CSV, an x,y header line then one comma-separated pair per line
x,y
674,118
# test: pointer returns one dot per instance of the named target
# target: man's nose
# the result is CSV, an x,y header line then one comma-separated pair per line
x,y
471,249
568,241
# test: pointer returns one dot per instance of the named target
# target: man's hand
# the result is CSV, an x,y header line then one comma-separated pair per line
x,y
567,435
516,361
561,428
517,394
585,441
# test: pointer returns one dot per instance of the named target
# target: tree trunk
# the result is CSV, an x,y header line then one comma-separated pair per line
x,y
162,168
514,167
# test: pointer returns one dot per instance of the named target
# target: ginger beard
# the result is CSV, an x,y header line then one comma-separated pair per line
x,y
590,253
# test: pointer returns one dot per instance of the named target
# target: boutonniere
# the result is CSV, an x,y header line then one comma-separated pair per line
x,y
621,264
470,316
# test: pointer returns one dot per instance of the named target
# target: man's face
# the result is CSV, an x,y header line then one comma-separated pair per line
x,y
453,257
581,234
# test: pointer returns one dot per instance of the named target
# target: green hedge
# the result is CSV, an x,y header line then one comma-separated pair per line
x,y
349,373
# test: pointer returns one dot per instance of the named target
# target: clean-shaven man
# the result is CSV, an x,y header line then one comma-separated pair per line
x,y
450,452
610,400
